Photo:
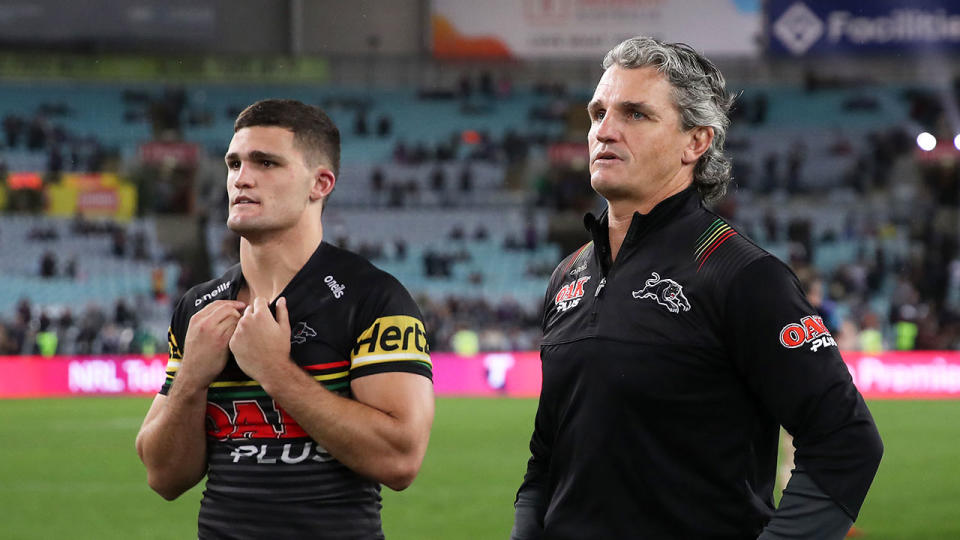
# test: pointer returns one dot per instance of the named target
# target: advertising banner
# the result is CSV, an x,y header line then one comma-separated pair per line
x,y
894,375
93,195
589,28
820,27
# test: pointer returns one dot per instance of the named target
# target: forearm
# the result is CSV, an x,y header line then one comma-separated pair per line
x,y
172,441
805,511
529,509
370,441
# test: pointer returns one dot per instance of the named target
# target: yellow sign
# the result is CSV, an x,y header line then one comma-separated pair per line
x,y
92,195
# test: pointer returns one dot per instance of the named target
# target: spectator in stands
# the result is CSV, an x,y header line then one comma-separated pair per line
x,y
48,265
438,181
871,337
8,343
12,128
400,249
46,338
384,126
119,241
123,315
360,128
466,178
464,86
701,294
70,269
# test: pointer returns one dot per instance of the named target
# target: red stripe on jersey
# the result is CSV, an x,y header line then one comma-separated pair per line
x,y
342,363
716,244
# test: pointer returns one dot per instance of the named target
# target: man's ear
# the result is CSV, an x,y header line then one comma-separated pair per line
x,y
323,182
700,139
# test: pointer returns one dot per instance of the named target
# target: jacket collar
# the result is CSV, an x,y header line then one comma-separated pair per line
x,y
665,212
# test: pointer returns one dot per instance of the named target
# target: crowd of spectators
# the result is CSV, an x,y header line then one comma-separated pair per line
x,y
46,331
919,287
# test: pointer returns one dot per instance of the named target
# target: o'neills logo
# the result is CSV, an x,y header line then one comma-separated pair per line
x,y
212,294
810,330
336,288
570,294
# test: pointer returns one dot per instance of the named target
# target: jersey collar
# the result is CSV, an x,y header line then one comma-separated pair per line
x,y
313,265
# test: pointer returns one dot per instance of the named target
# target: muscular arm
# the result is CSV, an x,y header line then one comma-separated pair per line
x,y
381,434
172,440
172,443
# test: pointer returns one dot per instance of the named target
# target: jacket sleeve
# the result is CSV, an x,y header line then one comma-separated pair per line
x,y
532,497
531,502
805,511
791,364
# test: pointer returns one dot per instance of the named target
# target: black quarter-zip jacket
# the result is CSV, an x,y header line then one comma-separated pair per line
x,y
666,376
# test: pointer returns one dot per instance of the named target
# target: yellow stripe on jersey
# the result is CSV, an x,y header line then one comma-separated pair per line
x,y
172,346
396,357
391,339
173,365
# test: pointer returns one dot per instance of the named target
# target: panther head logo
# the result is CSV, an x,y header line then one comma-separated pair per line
x,y
301,333
666,292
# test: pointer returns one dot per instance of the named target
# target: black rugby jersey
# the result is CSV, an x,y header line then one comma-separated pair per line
x,y
666,375
266,477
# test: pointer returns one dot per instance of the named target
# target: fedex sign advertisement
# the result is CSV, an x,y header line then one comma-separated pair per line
x,y
809,27
893,375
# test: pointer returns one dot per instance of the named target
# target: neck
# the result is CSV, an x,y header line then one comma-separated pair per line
x,y
269,263
620,212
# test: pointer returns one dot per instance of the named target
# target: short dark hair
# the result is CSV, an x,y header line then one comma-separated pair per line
x,y
313,131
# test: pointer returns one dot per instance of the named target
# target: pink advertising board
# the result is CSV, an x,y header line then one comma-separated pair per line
x,y
901,375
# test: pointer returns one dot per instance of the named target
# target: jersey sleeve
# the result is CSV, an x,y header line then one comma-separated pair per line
x,y
391,334
791,363
175,337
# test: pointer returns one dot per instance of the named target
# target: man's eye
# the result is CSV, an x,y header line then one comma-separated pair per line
x,y
267,163
637,115
599,115
233,164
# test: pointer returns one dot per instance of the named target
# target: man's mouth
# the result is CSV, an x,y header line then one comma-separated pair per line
x,y
243,199
606,156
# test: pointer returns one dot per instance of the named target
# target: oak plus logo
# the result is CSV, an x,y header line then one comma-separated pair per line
x,y
798,28
810,329
570,294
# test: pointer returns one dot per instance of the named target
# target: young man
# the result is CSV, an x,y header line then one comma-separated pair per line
x,y
674,348
300,380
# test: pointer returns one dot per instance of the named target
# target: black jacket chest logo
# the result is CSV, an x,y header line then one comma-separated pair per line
x,y
666,292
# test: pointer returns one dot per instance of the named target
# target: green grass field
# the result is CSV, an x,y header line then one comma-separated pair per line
x,y
68,469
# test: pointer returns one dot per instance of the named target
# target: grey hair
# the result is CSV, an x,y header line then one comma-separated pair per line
x,y
700,94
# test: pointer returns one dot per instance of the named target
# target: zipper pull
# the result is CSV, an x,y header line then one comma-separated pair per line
x,y
603,281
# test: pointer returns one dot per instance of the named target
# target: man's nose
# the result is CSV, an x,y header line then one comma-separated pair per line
x,y
607,129
242,177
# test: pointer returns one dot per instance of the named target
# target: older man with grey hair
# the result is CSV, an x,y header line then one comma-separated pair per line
x,y
674,347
